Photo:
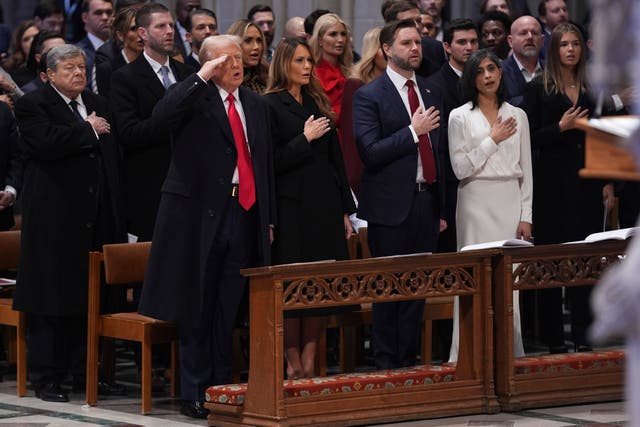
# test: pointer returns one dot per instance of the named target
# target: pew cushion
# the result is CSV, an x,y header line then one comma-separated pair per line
x,y
234,394
570,362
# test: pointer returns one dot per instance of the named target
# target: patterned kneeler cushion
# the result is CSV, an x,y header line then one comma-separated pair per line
x,y
570,362
234,394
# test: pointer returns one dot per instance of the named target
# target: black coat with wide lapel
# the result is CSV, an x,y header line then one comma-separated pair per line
x,y
67,172
195,193
313,175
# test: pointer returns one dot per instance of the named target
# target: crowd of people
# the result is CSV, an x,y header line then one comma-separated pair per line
x,y
133,123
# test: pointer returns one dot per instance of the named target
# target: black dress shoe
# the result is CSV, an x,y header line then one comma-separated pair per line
x,y
558,349
51,392
106,388
158,382
194,409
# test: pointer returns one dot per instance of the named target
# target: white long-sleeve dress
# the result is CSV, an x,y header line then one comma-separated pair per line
x,y
496,188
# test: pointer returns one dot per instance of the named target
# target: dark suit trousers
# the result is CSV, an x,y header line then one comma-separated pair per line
x,y
205,347
397,325
57,347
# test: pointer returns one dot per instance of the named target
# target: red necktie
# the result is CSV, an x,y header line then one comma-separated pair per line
x,y
247,194
424,142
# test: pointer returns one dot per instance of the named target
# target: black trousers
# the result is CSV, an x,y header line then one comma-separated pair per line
x,y
57,348
397,325
205,347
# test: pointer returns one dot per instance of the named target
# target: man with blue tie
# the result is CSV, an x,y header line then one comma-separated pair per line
x,y
135,90
396,119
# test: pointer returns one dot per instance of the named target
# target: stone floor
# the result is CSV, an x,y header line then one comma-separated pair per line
x,y
125,411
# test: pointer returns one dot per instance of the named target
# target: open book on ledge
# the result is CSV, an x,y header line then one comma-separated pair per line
x,y
6,282
621,126
510,243
621,234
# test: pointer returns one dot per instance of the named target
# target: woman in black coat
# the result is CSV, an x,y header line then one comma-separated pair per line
x,y
313,196
565,207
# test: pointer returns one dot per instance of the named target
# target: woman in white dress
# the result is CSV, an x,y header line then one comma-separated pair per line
x,y
490,152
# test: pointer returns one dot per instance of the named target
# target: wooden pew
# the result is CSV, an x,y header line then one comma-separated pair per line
x,y
555,379
269,400
350,323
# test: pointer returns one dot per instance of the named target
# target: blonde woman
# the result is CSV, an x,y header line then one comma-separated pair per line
x,y
331,47
253,54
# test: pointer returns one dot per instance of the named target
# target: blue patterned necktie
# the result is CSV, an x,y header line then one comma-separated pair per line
x,y
164,70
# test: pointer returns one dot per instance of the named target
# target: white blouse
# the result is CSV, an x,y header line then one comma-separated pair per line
x,y
474,155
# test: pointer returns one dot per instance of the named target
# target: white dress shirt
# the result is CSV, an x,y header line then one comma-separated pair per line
x,y
400,84
155,65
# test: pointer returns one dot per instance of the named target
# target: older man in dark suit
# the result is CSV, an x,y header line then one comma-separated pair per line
x,y
10,166
395,118
523,65
70,207
215,214
135,90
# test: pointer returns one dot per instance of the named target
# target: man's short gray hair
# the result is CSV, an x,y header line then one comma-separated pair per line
x,y
213,42
61,53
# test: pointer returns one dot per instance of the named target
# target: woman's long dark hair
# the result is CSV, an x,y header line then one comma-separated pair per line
x,y
468,88
279,71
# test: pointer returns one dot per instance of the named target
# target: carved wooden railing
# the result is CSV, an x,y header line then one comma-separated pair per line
x,y
276,289
543,267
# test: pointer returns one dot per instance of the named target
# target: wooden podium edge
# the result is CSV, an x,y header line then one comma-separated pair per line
x,y
609,174
606,156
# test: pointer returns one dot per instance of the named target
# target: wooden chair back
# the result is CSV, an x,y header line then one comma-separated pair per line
x,y
9,249
9,260
124,263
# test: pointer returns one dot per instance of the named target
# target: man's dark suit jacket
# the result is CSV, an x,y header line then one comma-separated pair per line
x,y
432,57
196,192
90,54
514,81
10,161
191,62
104,71
178,44
447,82
108,51
144,141
388,152
34,84
71,188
